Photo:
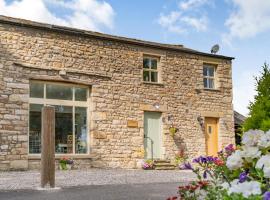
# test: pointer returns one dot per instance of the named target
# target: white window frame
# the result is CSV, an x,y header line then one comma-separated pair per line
x,y
59,102
210,77
152,70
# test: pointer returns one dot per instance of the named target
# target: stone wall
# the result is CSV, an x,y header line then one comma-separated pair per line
x,y
113,72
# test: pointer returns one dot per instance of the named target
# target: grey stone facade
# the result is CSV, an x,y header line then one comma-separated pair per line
x,y
112,68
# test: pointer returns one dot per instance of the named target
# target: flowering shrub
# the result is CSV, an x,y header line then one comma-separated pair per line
x,y
180,157
147,164
241,173
64,162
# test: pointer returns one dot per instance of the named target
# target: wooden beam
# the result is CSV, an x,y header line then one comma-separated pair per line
x,y
48,147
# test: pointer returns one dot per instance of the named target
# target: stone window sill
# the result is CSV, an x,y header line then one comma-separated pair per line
x,y
57,157
153,83
213,90
208,89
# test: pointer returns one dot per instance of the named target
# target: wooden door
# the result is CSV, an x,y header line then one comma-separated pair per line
x,y
152,135
211,133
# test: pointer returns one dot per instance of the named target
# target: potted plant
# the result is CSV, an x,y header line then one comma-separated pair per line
x,y
66,163
147,164
173,130
180,158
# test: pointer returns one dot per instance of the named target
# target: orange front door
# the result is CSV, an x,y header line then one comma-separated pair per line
x,y
211,133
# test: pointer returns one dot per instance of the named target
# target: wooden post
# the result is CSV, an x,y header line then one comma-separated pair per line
x,y
48,147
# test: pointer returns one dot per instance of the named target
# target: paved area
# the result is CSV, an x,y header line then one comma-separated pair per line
x,y
154,191
31,179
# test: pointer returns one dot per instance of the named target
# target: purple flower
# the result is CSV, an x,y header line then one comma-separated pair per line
x,y
187,166
229,149
205,159
243,177
266,196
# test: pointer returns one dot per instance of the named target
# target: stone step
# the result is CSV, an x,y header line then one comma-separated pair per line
x,y
164,164
162,161
165,168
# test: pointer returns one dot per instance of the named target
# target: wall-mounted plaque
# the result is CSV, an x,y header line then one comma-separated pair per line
x,y
132,123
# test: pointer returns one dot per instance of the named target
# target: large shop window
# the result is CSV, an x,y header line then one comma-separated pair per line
x,y
71,105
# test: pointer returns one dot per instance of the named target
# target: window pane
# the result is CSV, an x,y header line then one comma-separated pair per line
x,y
154,77
146,76
211,83
63,129
205,71
80,94
153,63
35,128
205,82
146,63
211,71
36,90
58,92
80,130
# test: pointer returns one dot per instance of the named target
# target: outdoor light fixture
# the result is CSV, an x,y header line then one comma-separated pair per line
x,y
200,120
62,73
156,105
170,118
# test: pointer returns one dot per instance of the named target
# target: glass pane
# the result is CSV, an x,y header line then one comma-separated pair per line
x,y
63,129
211,83
205,71
36,90
154,77
35,128
211,71
80,94
146,63
146,76
153,63
58,92
205,83
80,130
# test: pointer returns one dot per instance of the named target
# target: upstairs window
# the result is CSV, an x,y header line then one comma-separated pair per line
x,y
150,69
209,76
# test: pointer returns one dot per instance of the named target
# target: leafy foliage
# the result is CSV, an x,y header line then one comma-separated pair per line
x,y
259,110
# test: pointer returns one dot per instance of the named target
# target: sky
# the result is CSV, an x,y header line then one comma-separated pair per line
x,y
240,27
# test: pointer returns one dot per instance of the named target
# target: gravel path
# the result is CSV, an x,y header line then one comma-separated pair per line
x,y
31,179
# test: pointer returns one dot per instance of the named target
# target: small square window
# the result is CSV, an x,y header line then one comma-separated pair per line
x,y
150,69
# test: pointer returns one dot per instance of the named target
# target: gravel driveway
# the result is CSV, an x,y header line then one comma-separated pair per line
x,y
31,179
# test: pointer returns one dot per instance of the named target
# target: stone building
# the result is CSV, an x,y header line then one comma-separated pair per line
x,y
117,100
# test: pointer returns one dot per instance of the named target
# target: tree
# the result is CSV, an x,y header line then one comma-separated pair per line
x,y
259,110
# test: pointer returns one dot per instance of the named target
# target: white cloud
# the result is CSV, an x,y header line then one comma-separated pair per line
x,y
200,24
85,14
185,18
170,22
248,18
191,4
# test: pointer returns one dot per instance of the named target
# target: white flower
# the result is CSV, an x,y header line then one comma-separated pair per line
x,y
245,188
250,152
264,140
235,160
251,137
264,163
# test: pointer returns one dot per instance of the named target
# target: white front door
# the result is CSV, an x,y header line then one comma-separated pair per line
x,y
152,135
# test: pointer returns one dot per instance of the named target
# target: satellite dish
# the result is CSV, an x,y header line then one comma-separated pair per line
x,y
215,49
